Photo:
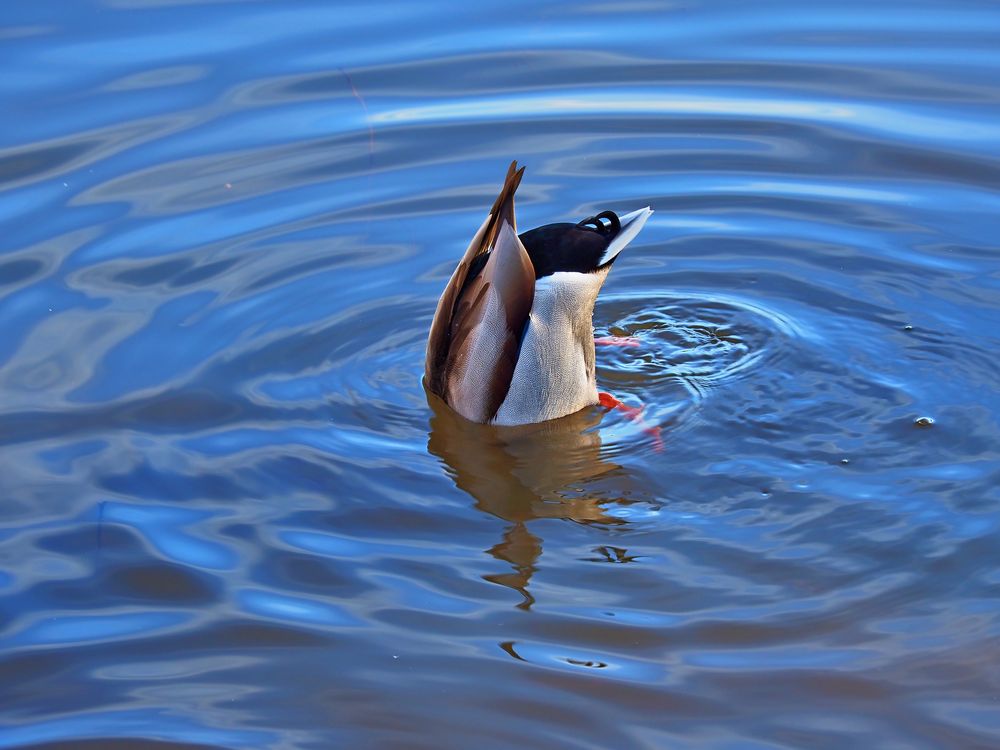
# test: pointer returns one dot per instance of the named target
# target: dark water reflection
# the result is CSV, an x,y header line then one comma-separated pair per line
x,y
229,516
521,474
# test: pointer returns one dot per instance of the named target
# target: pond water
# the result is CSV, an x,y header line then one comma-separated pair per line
x,y
229,516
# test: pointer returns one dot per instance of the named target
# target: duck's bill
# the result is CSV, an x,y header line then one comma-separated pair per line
x,y
631,224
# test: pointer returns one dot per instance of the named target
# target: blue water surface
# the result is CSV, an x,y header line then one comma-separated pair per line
x,y
229,516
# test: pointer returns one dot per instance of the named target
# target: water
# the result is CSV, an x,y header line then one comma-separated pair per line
x,y
229,517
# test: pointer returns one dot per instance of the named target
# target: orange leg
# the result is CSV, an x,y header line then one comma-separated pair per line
x,y
633,413
624,341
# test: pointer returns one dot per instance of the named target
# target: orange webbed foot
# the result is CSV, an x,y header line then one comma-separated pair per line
x,y
610,402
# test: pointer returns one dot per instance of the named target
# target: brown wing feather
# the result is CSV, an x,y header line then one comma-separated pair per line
x,y
486,329
440,335
474,338
438,340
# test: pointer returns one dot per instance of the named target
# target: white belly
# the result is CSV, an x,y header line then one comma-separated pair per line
x,y
554,375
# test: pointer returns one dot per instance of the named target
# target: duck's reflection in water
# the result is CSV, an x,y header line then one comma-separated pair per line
x,y
523,473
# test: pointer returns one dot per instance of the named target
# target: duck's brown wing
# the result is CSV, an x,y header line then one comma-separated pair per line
x,y
474,340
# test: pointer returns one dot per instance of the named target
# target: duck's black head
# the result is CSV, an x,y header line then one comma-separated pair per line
x,y
589,246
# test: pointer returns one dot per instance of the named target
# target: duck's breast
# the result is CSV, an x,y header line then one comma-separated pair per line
x,y
554,375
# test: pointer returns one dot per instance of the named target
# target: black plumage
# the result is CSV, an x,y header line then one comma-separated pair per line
x,y
563,247
571,247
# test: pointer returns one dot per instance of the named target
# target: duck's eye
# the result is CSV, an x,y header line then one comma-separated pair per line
x,y
605,222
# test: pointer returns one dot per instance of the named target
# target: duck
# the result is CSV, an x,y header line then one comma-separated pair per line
x,y
512,338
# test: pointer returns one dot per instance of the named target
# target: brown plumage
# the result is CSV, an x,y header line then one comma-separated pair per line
x,y
474,339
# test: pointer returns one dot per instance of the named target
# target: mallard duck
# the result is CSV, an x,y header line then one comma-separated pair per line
x,y
512,341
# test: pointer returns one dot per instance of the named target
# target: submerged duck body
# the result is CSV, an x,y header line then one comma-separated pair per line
x,y
512,339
